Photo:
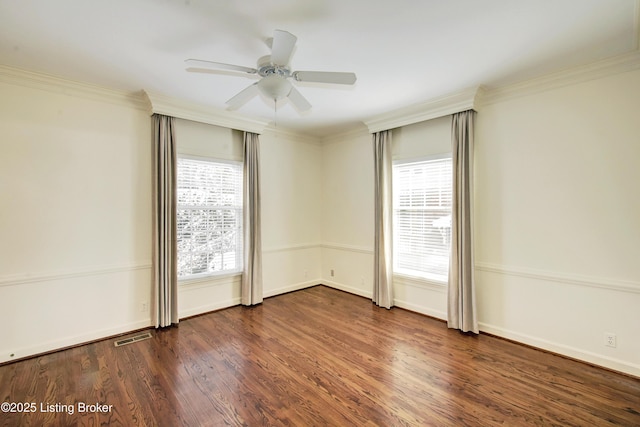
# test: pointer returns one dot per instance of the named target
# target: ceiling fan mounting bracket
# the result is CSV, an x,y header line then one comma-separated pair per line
x,y
271,69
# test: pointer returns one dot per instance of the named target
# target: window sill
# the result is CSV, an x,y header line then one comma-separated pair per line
x,y
214,279
419,281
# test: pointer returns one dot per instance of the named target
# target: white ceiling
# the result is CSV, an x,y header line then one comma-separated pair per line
x,y
403,51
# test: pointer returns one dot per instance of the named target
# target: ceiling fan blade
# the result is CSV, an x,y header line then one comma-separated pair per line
x,y
299,101
282,47
325,77
242,97
199,63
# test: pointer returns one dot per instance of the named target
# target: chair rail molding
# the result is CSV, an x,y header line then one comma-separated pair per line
x,y
567,279
27,278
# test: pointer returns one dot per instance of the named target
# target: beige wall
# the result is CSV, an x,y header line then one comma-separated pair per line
x,y
347,212
75,229
557,208
75,223
291,209
557,219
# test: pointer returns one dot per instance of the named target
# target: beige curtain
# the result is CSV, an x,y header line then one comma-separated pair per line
x,y
165,276
461,313
252,271
383,260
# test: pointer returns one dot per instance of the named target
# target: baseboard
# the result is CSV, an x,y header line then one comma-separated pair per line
x,y
206,308
563,350
419,309
11,355
560,349
292,288
346,288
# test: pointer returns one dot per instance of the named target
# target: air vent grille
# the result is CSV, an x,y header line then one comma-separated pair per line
x,y
135,338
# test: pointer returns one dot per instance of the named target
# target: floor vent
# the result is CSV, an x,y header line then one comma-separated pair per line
x,y
132,339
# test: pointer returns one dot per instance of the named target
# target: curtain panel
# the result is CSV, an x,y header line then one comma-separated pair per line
x,y
461,299
165,275
383,245
251,288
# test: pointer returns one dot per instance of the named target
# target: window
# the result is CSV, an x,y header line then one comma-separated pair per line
x,y
422,218
209,217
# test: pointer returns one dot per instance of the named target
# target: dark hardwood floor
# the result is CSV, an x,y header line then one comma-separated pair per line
x,y
316,357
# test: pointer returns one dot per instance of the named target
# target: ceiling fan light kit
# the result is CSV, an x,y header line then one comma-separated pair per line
x,y
275,75
274,87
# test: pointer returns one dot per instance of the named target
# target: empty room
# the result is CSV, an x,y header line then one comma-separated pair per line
x,y
320,213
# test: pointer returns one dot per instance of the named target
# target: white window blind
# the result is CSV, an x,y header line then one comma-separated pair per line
x,y
209,217
422,218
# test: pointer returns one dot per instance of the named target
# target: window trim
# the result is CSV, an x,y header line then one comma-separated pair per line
x,y
203,277
422,159
415,276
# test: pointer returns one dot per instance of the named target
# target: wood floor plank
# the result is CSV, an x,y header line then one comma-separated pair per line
x,y
317,357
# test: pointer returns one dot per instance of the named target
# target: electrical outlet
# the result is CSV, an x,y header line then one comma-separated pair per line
x,y
610,339
332,273
306,274
144,307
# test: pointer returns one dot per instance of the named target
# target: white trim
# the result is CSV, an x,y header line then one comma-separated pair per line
x,y
298,247
206,308
568,279
162,104
232,171
208,281
606,67
397,303
75,340
271,132
420,309
419,282
29,79
210,159
291,288
561,349
423,159
349,248
361,131
21,279
432,109
348,289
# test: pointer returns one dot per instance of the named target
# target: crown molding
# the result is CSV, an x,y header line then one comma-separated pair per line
x,y
606,67
49,83
162,104
291,135
432,109
361,132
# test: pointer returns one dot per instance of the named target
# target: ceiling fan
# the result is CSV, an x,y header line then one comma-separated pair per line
x,y
275,74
